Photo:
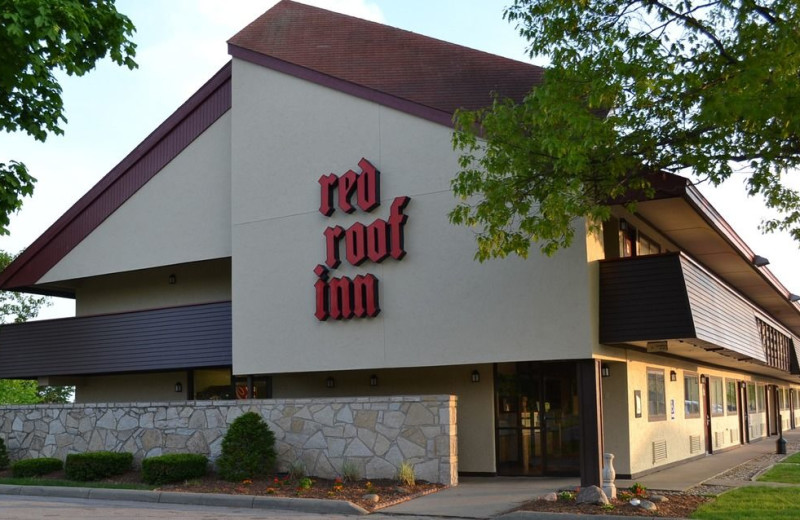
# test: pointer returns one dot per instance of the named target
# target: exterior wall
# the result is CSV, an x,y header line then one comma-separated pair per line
x,y
475,400
159,386
617,415
198,282
374,433
439,306
183,214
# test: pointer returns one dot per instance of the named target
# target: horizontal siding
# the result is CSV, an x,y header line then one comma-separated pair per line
x,y
164,339
643,299
721,316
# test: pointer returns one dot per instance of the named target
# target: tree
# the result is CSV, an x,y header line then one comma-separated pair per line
x,y
636,87
37,38
19,308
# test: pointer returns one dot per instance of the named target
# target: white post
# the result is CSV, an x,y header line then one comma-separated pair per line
x,y
609,488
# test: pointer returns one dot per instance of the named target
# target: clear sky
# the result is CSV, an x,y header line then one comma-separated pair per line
x,y
182,43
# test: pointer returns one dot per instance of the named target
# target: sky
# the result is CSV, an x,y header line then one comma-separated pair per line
x,y
182,43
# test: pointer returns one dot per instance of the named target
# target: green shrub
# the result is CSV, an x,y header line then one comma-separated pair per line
x,y
97,465
248,449
3,455
35,467
405,474
174,467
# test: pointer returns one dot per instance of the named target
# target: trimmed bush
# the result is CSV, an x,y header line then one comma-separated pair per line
x,y
36,467
3,454
97,465
248,449
174,467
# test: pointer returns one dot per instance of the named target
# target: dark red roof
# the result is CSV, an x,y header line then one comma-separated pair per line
x,y
392,62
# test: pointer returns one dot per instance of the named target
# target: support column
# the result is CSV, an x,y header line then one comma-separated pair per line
x,y
591,421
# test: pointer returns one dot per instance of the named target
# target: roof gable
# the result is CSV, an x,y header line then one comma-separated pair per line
x,y
428,77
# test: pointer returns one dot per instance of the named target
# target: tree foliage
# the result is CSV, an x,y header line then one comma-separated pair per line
x,y
38,38
635,87
18,308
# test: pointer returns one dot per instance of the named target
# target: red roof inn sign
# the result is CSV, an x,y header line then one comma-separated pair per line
x,y
342,297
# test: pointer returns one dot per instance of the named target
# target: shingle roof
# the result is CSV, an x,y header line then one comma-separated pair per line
x,y
402,64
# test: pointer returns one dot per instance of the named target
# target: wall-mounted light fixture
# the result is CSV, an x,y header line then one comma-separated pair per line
x,y
605,371
179,387
760,261
373,380
702,379
476,376
330,382
794,298
673,376
172,279
623,224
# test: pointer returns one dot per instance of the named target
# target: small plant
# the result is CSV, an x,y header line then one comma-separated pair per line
x,y
338,485
297,470
36,467
624,495
607,507
350,472
405,474
248,449
173,467
305,483
638,490
368,486
97,465
567,496
3,455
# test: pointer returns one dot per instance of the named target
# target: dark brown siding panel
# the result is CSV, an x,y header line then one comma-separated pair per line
x,y
163,339
721,316
643,299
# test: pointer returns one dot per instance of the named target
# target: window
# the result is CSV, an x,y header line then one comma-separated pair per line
x,y
656,395
760,398
691,393
717,396
634,243
751,398
730,396
647,246
784,396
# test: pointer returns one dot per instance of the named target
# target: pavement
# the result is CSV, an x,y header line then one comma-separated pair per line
x,y
473,498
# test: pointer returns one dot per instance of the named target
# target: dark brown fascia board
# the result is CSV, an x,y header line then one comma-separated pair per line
x,y
8,277
403,105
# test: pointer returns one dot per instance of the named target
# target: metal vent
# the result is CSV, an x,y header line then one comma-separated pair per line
x,y
719,439
659,451
734,436
694,444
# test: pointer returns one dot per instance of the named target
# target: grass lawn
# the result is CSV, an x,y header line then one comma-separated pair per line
x,y
794,459
70,483
786,473
753,503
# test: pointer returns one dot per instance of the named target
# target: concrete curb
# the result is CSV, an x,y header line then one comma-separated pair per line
x,y
303,505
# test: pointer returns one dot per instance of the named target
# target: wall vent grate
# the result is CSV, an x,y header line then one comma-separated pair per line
x,y
719,439
694,444
659,451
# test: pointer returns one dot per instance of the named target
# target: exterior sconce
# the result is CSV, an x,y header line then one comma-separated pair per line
x,y
623,225
703,379
476,376
330,382
373,380
673,376
178,387
760,261
172,279
605,371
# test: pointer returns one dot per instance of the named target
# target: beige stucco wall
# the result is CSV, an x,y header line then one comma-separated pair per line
x,y
439,306
181,215
198,282
130,387
475,400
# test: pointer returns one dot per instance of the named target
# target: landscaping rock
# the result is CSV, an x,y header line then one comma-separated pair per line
x,y
372,497
658,499
648,505
591,495
550,497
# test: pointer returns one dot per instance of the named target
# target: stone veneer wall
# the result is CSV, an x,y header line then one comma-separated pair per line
x,y
374,433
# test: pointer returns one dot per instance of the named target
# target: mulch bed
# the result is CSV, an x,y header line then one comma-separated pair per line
x,y
388,491
679,505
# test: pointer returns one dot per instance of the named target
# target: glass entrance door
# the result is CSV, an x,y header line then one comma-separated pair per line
x,y
537,428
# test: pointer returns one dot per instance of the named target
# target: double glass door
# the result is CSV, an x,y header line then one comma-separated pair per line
x,y
537,422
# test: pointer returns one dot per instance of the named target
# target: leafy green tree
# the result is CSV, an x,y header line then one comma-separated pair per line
x,y
19,308
37,38
636,87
